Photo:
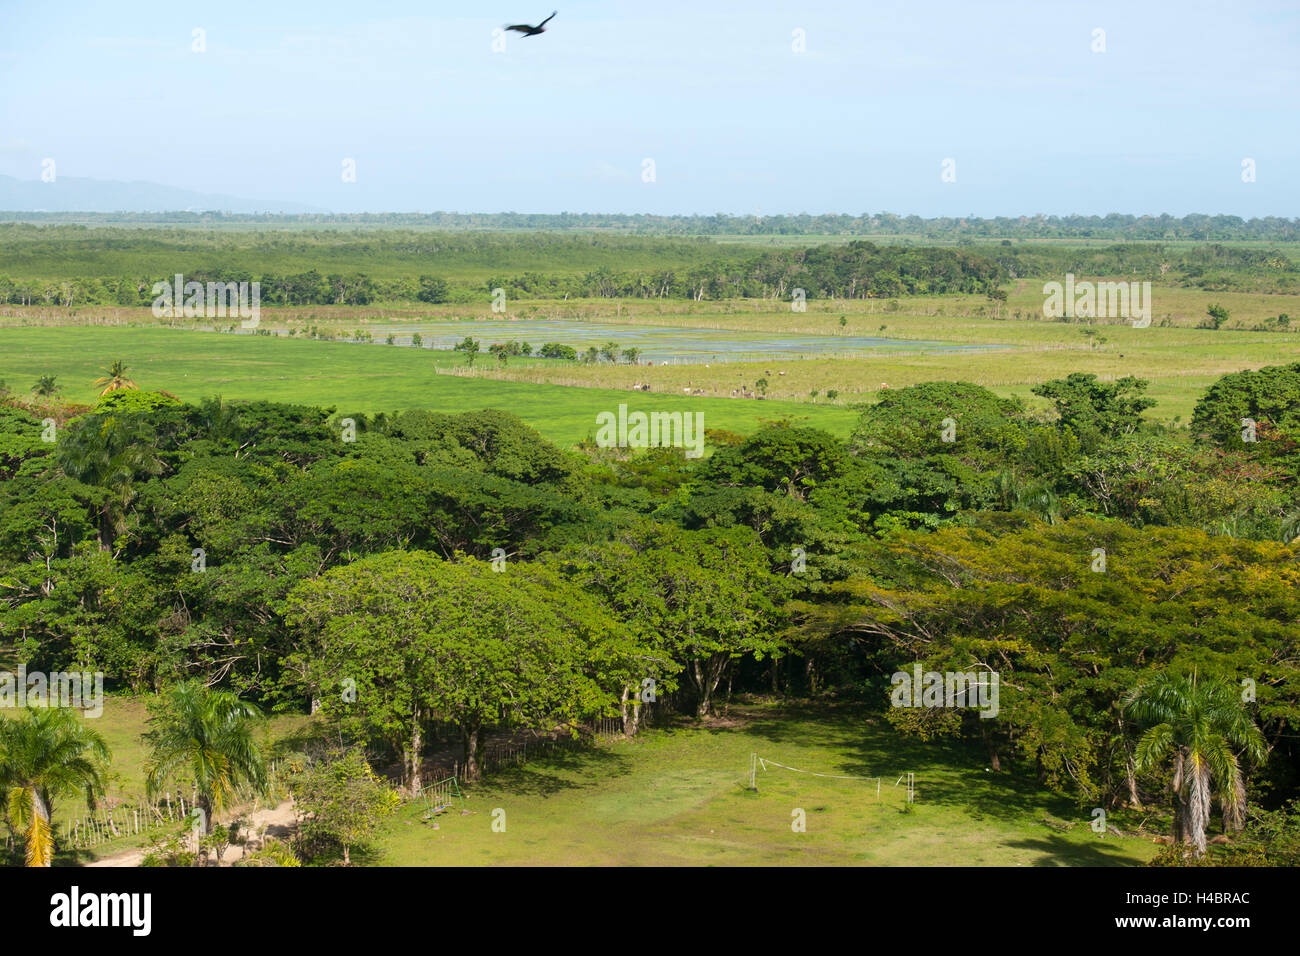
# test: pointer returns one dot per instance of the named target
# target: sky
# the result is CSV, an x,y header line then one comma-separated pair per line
x,y
667,107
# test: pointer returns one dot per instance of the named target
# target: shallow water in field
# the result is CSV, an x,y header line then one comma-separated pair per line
x,y
660,344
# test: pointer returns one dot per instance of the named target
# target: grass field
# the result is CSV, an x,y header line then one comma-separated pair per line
x,y
561,399
677,796
350,377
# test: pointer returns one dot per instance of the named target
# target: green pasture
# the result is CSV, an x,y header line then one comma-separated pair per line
x,y
678,796
350,377
561,399
1177,358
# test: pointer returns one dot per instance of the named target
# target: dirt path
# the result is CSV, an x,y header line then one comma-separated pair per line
x,y
279,823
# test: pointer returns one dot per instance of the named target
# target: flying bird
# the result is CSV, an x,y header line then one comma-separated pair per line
x,y
528,31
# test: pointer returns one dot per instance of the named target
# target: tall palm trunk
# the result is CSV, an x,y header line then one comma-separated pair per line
x,y
205,820
1197,805
39,837
1180,799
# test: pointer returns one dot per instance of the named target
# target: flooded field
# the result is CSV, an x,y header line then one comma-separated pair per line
x,y
656,344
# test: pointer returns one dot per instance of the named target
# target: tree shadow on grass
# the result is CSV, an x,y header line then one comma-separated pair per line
x,y
62,857
555,773
1058,851
947,772
313,738
874,748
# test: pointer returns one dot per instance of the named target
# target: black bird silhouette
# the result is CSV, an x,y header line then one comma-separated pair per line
x,y
528,31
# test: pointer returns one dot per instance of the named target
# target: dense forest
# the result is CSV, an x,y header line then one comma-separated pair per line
x,y
1114,227
466,575
120,267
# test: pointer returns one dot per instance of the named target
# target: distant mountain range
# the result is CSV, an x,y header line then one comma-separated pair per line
x,y
74,194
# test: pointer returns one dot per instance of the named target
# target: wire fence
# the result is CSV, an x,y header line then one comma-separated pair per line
x,y
100,826
135,815
514,753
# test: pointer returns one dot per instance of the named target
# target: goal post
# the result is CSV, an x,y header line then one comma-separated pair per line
x,y
756,763
910,777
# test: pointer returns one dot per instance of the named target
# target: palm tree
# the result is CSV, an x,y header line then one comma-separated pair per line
x,y
206,735
45,754
114,378
219,422
1203,725
1290,529
46,388
112,452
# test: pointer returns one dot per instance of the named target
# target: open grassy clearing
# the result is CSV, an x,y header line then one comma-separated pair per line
x,y
350,377
1171,306
677,796
1178,359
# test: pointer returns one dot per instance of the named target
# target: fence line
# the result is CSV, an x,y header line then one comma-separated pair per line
x,y
130,818
501,756
125,819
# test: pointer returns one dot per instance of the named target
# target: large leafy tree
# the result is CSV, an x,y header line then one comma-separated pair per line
x,y
1270,397
909,423
1072,616
1087,405
45,754
1201,725
417,638
703,598
778,458
205,736
490,440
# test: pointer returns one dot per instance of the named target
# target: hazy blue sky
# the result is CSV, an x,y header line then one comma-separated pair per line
x,y
733,118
